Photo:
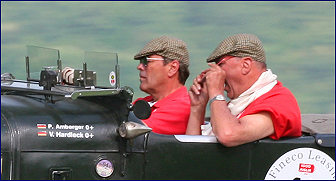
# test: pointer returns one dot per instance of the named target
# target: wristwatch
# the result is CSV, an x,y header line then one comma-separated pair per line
x,y
219,97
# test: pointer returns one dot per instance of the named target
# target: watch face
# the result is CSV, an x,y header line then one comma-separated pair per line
x,y
220,97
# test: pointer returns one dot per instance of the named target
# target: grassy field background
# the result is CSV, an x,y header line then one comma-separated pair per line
x,y
299,37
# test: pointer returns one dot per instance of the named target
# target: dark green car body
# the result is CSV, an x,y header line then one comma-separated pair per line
x,y
66,153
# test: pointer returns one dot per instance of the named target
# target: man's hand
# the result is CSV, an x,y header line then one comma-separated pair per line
x,y
215,80
198,92
68,75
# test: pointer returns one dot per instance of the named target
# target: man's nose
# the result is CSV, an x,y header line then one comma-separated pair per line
x,y
141,66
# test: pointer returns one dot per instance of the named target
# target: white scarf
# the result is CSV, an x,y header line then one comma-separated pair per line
x,y
265,83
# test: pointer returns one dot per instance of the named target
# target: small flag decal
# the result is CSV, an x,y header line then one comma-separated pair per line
x,y
42,133
41,126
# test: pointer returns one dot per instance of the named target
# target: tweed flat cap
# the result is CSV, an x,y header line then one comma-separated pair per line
x,y
240,45
168,47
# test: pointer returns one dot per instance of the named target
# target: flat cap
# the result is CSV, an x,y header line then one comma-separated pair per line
x,y
168,47
240,45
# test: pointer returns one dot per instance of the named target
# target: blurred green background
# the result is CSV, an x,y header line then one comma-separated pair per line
x,y
298,37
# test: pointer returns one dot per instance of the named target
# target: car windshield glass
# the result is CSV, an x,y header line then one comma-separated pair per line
x,y
41,58
106,63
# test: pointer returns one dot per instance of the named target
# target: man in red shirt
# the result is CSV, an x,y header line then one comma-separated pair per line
x,y
259,107
163,70
163,67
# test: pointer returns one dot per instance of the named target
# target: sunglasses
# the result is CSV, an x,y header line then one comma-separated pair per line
x,y
224,59
220,61
144,61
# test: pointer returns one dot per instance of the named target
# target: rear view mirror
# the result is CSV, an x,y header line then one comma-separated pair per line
x,y
141,109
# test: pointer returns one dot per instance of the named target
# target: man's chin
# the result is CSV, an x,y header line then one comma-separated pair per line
x,y
143,88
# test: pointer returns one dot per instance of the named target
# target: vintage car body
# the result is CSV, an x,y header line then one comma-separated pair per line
x,y
74,132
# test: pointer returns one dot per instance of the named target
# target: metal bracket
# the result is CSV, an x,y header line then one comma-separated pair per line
x,y
90,93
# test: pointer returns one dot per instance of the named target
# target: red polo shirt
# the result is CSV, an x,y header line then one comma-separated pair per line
x,y
170,115
281,104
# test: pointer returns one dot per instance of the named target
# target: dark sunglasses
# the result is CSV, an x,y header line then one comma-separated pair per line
x,y
144,61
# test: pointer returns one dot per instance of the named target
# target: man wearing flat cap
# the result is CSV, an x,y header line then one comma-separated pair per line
x,y
260,106
163,71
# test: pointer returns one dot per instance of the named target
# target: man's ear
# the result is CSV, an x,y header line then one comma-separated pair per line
x,y
173,68
246,65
